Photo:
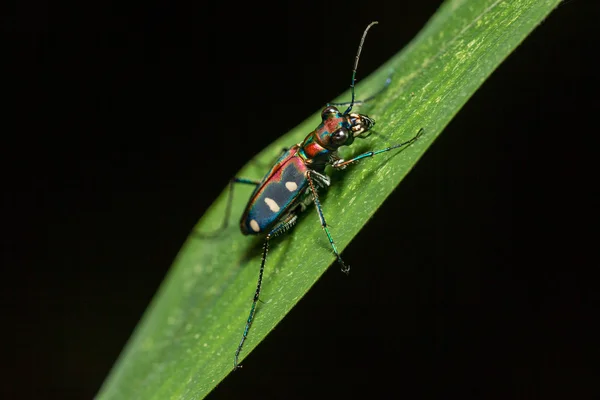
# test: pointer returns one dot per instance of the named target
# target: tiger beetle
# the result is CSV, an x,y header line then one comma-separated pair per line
x,y
294,180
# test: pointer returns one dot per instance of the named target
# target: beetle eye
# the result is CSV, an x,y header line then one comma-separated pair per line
x,y
327,111
339,137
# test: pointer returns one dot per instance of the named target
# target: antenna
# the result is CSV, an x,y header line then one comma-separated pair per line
x,y
362,41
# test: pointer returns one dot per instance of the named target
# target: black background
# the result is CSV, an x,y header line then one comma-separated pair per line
x,y
475,279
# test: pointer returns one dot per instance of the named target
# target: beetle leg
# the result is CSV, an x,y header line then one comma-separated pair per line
x,y
309,175
283,226
341,164
322,180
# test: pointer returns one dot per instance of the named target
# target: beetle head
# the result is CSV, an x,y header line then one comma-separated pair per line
x,y
343,128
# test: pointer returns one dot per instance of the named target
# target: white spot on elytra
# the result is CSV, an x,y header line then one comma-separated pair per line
x,y
272,205
291,186
254,225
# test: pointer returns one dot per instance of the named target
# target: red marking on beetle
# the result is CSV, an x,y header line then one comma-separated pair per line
x,y
313,149
288,162
275,172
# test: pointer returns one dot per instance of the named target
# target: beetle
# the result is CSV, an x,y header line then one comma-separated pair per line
x,y
293,182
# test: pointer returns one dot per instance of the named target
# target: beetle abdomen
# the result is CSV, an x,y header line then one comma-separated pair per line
x,y
279,191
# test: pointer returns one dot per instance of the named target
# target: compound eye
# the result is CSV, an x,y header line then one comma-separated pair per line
x,y
328,111
339,137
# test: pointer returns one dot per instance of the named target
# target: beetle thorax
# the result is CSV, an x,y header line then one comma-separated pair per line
x,y
313,152
316,147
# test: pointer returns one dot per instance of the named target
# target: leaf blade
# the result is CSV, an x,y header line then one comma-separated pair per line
x,y
184,346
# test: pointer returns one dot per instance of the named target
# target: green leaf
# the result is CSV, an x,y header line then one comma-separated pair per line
x,y
184,345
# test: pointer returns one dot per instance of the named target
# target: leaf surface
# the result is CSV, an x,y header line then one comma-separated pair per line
x,y
185,343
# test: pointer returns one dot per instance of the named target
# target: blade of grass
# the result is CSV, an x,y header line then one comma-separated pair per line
x,y
185,343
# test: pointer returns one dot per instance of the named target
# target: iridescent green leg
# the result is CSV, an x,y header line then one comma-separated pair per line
x,y
282,227
344,163
310,175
